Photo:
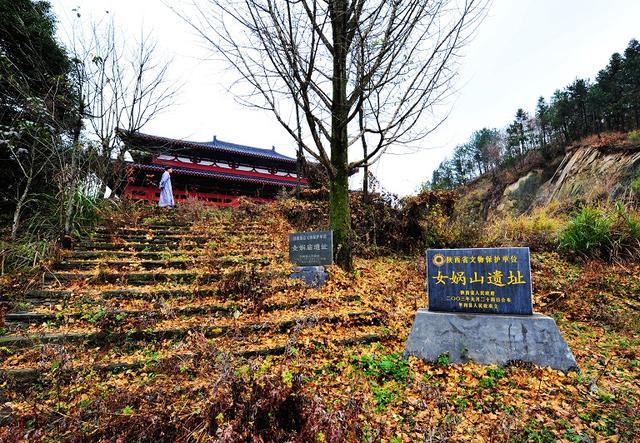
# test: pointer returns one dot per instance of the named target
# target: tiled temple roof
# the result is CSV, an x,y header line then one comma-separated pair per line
x,y
215,144
216,175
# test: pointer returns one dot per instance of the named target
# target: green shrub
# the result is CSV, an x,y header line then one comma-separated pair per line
x,y
433,220
24,254
635,185
443,360
492,377
487,382
604,232
634,136
588,233
625,233
533,431
383,397
383,367
496,373
48,215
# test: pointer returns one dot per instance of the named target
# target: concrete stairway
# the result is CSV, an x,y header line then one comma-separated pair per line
x,y
144,298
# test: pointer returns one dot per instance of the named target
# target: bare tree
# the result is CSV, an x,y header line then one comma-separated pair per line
x,y
123,86
360,72
31,163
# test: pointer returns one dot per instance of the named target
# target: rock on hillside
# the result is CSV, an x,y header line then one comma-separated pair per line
x,y
595,169
591,173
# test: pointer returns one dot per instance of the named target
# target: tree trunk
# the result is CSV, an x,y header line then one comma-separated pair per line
x,y
68,212
298,173
365,183
69,204
340,217
339,213
298,153
365,169
18,211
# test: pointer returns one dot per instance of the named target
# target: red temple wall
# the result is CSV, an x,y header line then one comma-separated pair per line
x,y
152,194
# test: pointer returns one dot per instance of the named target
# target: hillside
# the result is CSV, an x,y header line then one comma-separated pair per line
x,y
184,326
592,170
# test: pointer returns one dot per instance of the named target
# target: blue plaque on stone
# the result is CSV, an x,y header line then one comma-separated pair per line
x,y
311,248
480,280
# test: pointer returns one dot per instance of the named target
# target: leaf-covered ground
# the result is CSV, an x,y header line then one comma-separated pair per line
x,y
193,332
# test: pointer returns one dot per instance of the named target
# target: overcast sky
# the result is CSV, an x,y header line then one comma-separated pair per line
x,y
523,49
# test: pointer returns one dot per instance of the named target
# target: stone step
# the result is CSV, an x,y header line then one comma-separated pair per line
x,y
256,232
212,331
229,231
148,238
97,254
228,225
56,296
41,317
132,278
26,318
145,241
83,265
172,246
39,295
171,225
144,247
141,231
178,263
44,296
25,378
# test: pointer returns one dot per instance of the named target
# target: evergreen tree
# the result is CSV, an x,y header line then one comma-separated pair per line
x,y
518,132
33,65
444,176
561,114
542,117
37,104
612,102
609,82
578,94
630,79
485,145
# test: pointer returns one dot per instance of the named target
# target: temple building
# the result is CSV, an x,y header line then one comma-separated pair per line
x,y
216,172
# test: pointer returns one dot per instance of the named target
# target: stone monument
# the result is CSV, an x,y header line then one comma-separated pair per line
x,y
310,252
481,310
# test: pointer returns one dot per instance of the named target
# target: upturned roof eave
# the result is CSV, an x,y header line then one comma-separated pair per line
x,y
206,146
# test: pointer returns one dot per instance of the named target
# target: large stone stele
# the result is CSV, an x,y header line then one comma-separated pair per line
x,y
489,339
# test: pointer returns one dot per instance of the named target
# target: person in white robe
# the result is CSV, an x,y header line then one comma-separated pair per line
x,y
166,192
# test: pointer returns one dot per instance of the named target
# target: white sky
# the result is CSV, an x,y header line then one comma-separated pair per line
x,y
523,49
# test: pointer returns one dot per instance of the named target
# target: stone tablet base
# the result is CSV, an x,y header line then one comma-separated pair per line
x,y
313,276
489,339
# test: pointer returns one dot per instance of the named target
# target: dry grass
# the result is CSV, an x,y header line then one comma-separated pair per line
x,y
538,230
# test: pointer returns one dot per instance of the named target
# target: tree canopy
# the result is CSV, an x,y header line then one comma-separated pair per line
x,y
37,100
610,103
